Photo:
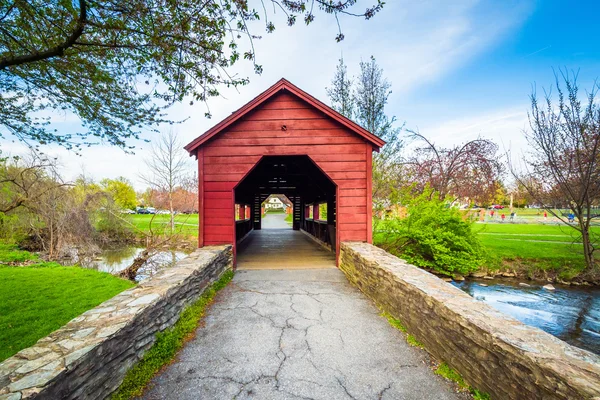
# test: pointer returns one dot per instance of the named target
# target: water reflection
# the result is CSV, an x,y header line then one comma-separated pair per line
x,y
569,313
115,260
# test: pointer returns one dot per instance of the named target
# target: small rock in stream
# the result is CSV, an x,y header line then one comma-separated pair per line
x,y
524,284
549,287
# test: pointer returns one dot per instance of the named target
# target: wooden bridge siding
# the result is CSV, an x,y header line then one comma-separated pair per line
x,y
341,154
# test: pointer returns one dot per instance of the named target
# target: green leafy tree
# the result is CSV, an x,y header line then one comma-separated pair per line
x,y
118,65
433,235
121,191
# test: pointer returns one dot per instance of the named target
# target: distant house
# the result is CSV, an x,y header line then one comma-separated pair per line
x,y
277,202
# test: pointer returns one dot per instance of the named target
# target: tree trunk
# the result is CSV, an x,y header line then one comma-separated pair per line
x,y
588,249
171,212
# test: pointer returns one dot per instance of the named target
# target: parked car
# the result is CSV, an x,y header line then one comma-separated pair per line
x,y
497,207
127,211
147,210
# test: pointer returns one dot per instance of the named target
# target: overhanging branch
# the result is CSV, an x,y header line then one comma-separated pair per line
x,y
55,51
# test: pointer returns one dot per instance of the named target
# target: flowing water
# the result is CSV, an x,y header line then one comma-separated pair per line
x,y
571,313
115,260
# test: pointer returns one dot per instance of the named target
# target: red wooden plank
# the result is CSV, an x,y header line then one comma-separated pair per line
x,y
285,96
337,157
317,123
352,218
217,195
283,150
261,114
231,160
223,177
347,175
283,105
291,139
213,239
351,192
217,204
219,229
353,235
219,212
227,169
343,166
219,186
212,220
353,201
278,133
352,210
352,226
351,183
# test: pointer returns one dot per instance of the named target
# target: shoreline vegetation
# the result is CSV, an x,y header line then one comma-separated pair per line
x,y
534,250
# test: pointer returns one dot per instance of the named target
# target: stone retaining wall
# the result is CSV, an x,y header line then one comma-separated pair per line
x,y
89,357
495,353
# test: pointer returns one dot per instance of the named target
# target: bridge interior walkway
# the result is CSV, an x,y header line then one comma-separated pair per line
x,y
277,246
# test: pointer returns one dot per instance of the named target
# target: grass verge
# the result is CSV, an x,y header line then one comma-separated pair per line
x,y
168,343
446,372
442,369
10,253
38,299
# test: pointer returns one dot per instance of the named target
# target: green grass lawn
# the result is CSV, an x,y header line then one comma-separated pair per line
x,y
289,219
554,247
185,224
38,299
529,246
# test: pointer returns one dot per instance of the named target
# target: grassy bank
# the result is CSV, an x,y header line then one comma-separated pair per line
x,y
39,298
185,224
535,251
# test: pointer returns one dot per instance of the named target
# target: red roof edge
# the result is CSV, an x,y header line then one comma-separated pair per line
x,y
284,84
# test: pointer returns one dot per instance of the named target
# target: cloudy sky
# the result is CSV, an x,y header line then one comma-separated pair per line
x,y
459,69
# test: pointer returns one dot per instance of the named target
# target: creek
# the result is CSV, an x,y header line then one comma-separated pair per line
x,y
571,313
116,260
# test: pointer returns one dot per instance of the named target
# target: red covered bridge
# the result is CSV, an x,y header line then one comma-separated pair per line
x,y
285,142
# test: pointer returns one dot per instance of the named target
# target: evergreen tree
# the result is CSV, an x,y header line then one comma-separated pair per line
x,y
363,100
340,92
371,96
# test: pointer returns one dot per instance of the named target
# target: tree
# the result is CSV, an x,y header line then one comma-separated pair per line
x,y
166,166
121,191
564,159
118,65
364,99
371,96
470,170
340,92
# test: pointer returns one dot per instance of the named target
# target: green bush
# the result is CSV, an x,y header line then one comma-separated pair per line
x,y
433,235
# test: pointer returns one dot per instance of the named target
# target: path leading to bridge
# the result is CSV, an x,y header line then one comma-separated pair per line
x,y
297,334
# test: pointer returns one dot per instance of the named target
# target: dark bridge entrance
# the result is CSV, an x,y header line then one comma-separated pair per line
x,y
285,142
310,191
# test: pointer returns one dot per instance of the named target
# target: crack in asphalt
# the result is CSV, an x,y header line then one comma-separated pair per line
x,y
289,353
